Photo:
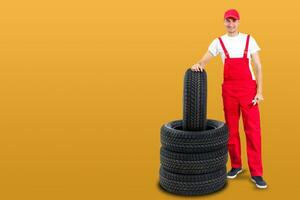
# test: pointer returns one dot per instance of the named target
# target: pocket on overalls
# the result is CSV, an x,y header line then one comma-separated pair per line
x,y
226,72
248,92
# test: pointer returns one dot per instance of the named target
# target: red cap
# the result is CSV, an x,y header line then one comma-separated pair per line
x,y
232,13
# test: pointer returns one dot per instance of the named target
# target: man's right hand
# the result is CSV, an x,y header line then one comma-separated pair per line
x,y
197,67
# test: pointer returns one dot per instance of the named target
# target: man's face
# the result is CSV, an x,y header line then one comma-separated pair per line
x,y
231,24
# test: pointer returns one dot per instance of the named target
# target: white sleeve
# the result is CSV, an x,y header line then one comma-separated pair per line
x,y
253,46
213,47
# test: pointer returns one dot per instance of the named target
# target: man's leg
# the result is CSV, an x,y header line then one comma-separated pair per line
x,y
252,128
232,115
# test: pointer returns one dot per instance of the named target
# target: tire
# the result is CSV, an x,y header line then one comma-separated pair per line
x,y
192,178
175,139
192,184
199,163
194,100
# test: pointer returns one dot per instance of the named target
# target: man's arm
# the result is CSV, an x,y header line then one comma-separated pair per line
x,y
258,68
199,66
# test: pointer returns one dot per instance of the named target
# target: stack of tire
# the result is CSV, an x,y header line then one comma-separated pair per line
x,y
193,152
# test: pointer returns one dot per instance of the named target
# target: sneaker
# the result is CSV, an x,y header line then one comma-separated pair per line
x,y
259,182
234,172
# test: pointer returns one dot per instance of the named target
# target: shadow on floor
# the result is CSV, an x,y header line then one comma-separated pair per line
x,y
210,194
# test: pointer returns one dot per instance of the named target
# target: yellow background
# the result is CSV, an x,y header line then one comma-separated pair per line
x,y
86,85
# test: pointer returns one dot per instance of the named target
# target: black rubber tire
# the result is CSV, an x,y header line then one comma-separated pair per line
x,y
192,177
192,184
175,139
199,163
194,100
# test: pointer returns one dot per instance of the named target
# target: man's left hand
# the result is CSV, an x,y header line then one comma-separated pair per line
x,y
258,97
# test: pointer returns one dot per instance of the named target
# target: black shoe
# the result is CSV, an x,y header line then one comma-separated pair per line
x,y
234,172
259,182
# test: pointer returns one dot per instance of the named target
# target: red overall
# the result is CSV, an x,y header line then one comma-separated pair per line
x,y
238,91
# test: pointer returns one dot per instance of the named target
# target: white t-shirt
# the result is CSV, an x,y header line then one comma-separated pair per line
x,y
235,46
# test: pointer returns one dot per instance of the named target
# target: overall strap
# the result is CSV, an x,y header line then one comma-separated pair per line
x,y
223,47
246,47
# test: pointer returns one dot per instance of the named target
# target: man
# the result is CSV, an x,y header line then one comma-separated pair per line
x,y
241,93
